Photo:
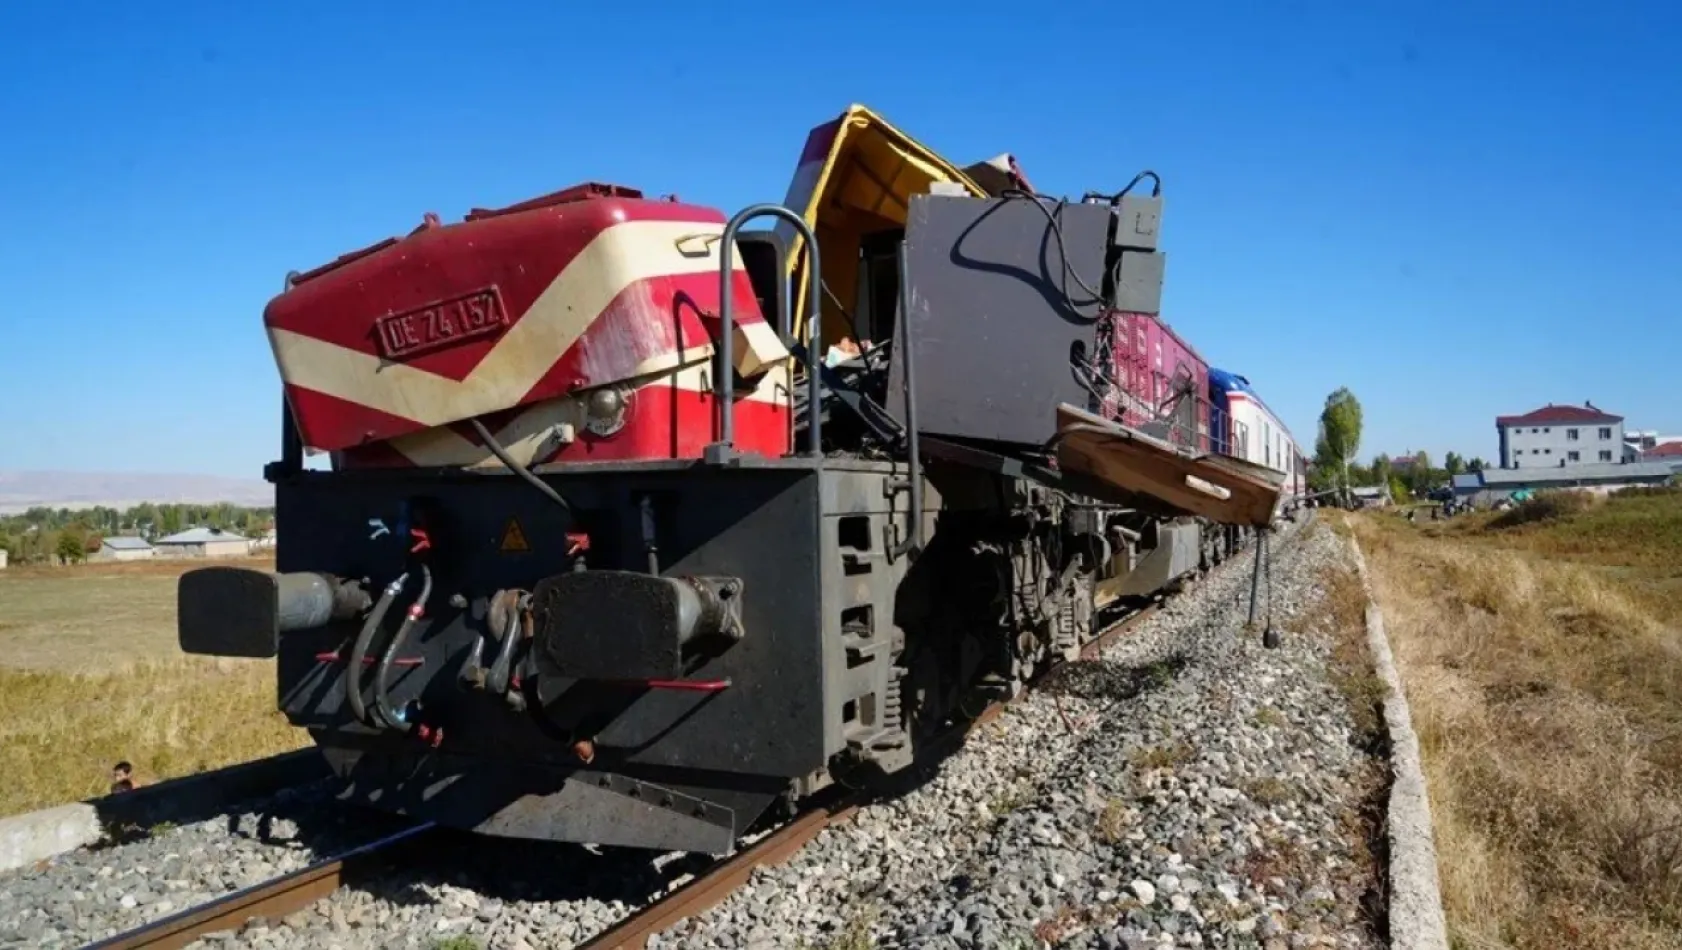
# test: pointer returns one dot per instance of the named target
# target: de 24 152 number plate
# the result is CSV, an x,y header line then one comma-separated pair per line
x,y
441,324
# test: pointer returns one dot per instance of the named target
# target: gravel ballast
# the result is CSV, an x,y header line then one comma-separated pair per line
x,y
1209,794
94,893
1192,788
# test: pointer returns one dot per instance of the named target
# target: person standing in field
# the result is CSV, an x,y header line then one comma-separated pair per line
x,y
122,777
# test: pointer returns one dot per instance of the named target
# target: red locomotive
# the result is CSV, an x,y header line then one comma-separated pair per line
x,y
639,522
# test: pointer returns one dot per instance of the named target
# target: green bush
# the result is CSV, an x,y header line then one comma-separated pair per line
x,y
1548,506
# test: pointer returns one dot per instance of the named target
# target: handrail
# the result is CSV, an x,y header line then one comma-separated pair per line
x,y
908,391
724,449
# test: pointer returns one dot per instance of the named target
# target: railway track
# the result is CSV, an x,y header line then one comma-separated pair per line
x,y
298,890
278,897
719,881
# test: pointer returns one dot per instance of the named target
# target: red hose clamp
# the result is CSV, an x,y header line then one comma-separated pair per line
x,y
423,541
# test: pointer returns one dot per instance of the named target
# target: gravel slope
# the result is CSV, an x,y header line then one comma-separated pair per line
x,y
1208,795
91,894
504,894
1191,789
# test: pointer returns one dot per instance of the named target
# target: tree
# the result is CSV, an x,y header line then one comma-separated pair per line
x,y
1476,464
1382,469
1453,464
71,547
1340,431
1398,490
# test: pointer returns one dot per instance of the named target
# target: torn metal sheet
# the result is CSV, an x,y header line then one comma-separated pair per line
x,y
1221,488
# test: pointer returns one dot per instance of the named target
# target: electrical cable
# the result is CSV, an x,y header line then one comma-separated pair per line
x,y
520,470
1115,199
851,323
1016,194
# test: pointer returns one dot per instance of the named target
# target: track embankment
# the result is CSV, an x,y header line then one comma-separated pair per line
x,y
1190,788
1416,920
158,850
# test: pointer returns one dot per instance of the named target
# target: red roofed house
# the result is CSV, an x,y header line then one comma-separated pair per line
x,y
1663,450
1555,436
1405,461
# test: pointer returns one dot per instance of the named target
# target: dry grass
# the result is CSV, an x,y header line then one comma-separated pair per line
x,y
1168,756
90,674
1547,691
1341,615
92,617
61,732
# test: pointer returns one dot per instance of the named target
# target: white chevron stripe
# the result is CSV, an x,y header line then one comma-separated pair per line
x,y
534,433
615,259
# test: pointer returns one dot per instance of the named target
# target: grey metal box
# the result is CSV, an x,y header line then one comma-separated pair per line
x,y
1138,281
990,328
1138,218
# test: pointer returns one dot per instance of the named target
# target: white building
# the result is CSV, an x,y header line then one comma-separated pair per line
x,y
203,542
124,548
1558,436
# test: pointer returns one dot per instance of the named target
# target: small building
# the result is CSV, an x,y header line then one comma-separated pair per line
x,y
124,548
1404,463
203,542
1498,483
3,555
1371,496
1466,484
1553,436
1663,452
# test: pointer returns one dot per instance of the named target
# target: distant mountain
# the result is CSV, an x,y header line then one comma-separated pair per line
x,y
20,491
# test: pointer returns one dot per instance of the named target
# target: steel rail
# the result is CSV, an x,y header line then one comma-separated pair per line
x,y
718,882
299,889
274,898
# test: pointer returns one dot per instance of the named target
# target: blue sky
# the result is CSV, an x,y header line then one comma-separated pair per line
x,y
1452,209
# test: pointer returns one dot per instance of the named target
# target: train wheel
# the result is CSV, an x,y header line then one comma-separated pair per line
x,y
926,705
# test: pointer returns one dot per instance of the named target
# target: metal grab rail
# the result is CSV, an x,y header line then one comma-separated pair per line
x,y
908,392
724,449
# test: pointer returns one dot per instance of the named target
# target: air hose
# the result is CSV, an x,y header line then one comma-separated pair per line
x,y
502,669
365,639
382,696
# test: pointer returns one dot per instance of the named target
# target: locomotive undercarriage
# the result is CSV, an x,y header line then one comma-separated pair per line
x,y
842,657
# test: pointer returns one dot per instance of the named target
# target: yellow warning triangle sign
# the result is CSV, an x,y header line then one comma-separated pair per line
x,y
514,538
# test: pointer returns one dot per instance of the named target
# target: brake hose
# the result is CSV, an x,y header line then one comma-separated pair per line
x,y
502,669
382,696
364,639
